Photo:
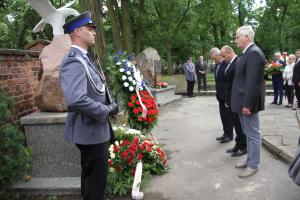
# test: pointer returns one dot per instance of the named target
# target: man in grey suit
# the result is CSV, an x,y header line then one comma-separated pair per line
x,y
247,97
87,122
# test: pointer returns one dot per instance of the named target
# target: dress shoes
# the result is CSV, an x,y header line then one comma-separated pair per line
x,y
232,150
220,137
225,140
239,152
279,103
273,103
241,165
247,172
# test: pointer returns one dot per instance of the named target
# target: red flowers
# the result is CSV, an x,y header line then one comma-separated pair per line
x,y
161,85
135,111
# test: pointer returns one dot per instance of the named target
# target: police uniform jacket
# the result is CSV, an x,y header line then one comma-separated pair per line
x,y
87,120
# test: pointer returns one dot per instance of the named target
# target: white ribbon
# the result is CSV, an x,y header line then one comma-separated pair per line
x,y
139,80
135,193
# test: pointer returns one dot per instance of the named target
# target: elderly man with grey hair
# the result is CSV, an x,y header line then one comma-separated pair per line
x,y
247,97
225,113
277,81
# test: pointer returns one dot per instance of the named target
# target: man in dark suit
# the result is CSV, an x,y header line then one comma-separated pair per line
x,y
225,113
86,97
240,147
247,97
296,77
277,81
201,68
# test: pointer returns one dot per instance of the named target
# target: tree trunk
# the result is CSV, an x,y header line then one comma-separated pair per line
x,y
96,9
139,32
215,34
126,24
169,58
114,25
280,32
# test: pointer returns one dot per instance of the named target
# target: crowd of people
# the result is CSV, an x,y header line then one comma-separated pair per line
x,y
286,81
240,92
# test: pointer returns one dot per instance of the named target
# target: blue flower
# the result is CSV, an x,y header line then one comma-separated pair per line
x,y
120,52
116,58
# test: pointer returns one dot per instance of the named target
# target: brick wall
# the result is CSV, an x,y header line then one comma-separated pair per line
x,y
19,71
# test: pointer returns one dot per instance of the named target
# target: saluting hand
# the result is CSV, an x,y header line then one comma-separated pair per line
x,y
246,111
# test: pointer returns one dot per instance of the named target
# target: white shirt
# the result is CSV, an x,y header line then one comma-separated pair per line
x,y
288,73
230,63
247,47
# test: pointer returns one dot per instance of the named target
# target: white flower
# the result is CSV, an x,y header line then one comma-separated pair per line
x,y
131,88
114,128
124,77
128,73
133,82
112,155
124,61
111,148
130,78
118,63
126,84
121,70
117,143
141,88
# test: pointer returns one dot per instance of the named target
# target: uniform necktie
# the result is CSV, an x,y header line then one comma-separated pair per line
x,y
101,74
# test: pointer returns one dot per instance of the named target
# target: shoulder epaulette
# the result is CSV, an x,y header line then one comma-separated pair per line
x,y
72,54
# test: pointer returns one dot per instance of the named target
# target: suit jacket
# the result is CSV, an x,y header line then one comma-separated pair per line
x,y
87,120
220,80
296,73
248,84
200,67
229,76
189,71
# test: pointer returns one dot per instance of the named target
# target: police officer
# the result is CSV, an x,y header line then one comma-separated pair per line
x,y
87,123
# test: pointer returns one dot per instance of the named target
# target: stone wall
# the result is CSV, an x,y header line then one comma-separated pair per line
x,y
19,74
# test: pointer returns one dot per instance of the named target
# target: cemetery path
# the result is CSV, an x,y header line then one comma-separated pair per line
x,y
200,168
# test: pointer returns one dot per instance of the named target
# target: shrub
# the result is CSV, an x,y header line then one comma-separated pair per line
x,y
14,156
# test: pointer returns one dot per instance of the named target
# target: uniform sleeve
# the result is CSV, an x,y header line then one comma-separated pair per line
x,y
74,84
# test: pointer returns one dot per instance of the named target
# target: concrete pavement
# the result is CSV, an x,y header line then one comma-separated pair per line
x,y
200,168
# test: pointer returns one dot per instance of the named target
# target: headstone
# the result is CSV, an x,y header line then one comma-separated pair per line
x,y
149,63
49,96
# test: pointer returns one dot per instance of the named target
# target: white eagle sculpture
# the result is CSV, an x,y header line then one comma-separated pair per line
x,y
50,15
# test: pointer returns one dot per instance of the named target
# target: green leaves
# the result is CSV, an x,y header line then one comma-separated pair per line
x,y
15,158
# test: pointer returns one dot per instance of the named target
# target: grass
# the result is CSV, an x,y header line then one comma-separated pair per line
x,y
179,79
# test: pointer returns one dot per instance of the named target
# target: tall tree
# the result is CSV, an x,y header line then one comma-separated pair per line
x,y
96,8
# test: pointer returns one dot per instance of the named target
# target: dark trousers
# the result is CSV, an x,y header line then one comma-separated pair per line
x,y
240,139
94,170
227,119
202,78
297,91
190,88
289,92
277,83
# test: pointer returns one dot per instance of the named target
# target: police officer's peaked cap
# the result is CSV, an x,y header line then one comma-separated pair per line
x,y
83,19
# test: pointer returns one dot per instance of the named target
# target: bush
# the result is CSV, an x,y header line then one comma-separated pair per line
x,y
14,156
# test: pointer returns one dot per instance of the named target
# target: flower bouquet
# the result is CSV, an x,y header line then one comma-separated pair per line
x,y
130,148
136,97
161,85
274,68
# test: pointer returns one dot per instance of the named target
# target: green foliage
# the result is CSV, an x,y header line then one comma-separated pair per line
x,y
130,148
14,157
